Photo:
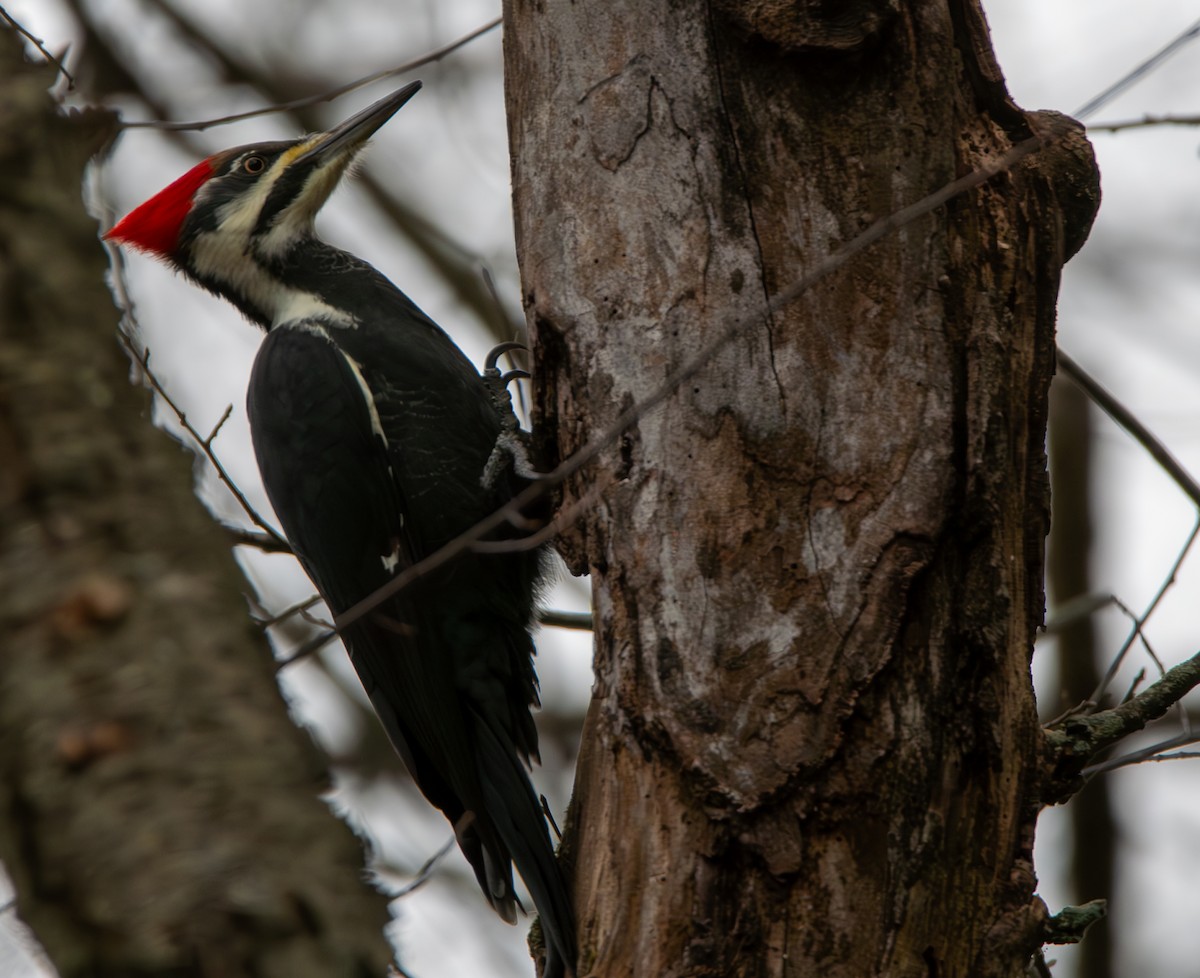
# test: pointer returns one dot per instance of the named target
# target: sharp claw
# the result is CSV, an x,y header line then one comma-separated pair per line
x,y
512,375
498,351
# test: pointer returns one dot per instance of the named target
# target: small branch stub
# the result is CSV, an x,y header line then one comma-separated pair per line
x,y
1076,740
1070,924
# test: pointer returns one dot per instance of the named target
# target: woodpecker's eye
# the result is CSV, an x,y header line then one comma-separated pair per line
x,y
254,164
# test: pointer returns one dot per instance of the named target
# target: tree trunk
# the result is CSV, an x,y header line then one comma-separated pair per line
x,y
813,748
159,812
1093,823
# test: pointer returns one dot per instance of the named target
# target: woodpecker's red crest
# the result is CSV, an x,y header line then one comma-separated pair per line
x,y
155,226
231,222
259,197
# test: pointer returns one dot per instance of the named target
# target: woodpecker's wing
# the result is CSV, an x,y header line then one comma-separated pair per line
x,y
369,470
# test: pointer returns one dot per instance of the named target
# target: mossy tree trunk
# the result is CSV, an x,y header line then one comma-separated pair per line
x,y
813,748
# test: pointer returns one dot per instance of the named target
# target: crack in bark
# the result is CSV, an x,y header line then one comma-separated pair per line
x,y
768,317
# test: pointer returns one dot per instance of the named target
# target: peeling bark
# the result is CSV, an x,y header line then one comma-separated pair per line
x,y
159,812
818,571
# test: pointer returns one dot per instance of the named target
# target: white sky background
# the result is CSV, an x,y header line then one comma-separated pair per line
x,y
1128,313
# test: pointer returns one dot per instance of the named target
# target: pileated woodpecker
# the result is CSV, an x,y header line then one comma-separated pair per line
x,y
372,432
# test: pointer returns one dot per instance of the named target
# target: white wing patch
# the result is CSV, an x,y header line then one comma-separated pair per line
x,y
368,397
390,560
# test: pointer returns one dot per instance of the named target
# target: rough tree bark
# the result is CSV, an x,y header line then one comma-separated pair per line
x,y
159,812
817,567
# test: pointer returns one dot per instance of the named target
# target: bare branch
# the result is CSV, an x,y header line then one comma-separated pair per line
x,y
548,532
259,541
1069,924
1127,420
218,426
576,620
1078,608
303,103
205,444
1152,753
1178,42
1078,739
1139,623
314,644
426,870
38,43
296,609
1147,120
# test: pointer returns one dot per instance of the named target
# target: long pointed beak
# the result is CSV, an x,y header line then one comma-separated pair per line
x,y
358,128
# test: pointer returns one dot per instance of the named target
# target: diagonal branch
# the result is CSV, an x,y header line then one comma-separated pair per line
x,y
271,540
38,43
1128,420
1078,739
311,100
1146,120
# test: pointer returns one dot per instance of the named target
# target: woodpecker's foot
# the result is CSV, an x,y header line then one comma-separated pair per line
x,y
497,385
512,445
489,364
511,449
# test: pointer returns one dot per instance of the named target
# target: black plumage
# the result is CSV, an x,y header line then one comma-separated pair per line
x,y
373,433
447,662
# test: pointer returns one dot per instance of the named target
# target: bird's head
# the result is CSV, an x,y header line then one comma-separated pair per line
x,y
233,216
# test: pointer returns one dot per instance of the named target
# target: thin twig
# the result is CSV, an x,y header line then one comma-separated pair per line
x,y
1079,608
1133,686
1127,420
303,651
1139,623
562,519
315,620
259,541
1080,738
41,47
730,328
426,870
298,608
303,103
1142,70
1146,120
143,361
1181,755
1151,753
218,426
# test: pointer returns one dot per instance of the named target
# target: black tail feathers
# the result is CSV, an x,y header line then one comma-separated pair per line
x,y
513,807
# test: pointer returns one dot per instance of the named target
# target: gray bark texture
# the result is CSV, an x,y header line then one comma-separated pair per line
x,y
818,569
159,812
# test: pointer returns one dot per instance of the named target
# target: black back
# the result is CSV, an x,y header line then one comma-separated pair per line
x,y
372,435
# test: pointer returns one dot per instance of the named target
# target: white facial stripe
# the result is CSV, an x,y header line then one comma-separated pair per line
x,y
224,254
296,219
